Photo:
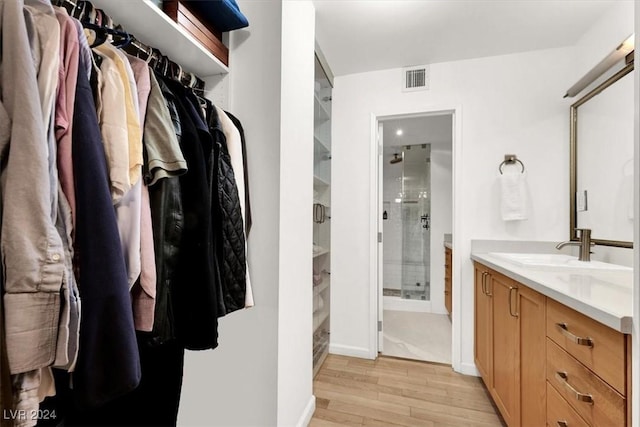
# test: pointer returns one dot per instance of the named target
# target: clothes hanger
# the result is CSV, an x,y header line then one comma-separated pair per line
x,y
138,49
85,12
69,5
105,34
162,65
176,72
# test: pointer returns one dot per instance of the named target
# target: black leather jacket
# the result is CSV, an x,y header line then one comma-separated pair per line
x,y
167,215
196,294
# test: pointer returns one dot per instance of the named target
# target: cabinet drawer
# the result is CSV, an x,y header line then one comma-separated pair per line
x,y
560,413
592,398
597,346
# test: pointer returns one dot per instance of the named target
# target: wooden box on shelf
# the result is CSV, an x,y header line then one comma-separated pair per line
x,y
210,38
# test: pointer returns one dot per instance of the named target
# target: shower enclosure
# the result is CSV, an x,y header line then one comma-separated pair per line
x,y
407,226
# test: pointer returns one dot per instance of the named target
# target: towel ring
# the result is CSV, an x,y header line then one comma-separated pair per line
x,y
510,161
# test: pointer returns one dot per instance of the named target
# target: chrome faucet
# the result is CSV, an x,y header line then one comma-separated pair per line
x,y
584,243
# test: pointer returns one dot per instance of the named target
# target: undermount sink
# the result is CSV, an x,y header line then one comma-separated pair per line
x,y
555,261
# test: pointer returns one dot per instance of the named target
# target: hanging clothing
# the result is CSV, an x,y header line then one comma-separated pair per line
x,y
129,204
33,271
164,165
153,403
45,32
195,299
143,293
210,149
249,301
6,395
235,152
108,361
112,121
228,223
247,202
85,50
67,76
162,130
132,120
69,328
108,277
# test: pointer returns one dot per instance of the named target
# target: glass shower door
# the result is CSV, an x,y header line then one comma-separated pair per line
x,y
416,222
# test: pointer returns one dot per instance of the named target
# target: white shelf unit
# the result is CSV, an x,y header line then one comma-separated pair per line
x,y
322,108
322,251
320,182
319,289
322,230
149,24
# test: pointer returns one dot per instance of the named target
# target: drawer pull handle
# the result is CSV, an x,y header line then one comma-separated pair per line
x,y
562,327
563,378
485,285
562,424
511,312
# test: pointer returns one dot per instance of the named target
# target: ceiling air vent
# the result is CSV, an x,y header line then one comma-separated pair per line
x,y
415,78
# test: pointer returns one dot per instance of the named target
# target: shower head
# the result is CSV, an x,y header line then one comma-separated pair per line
x,y
395,159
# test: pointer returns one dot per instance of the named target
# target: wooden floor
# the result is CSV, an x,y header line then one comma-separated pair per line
x,y
396,392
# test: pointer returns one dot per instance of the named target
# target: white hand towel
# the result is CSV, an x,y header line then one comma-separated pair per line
x,y
514,196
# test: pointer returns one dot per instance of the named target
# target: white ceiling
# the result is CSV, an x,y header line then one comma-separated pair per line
x,y
367,35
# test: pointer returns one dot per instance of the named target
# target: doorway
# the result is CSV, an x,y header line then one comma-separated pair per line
x,y
415,177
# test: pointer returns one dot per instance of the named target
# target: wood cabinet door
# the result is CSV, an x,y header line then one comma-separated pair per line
x,y
448,280
482,326
506,386
531,310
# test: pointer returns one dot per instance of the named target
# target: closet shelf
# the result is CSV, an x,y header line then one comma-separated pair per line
x,y
321,112
321,252
319,359
320,181
149,24
317,290
319,318
321,146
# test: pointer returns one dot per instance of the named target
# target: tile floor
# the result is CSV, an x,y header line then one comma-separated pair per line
x,y
419,336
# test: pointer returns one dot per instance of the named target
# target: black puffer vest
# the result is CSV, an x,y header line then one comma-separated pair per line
x,y
228,224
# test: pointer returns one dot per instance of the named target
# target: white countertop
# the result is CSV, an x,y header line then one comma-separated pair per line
x,y
448,245
603,295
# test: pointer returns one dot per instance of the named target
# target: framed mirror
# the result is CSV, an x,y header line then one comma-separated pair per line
x,y
601,181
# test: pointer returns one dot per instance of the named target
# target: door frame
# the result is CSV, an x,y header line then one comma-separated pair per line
x,y
375,222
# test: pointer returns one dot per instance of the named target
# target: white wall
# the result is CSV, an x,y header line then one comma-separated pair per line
x,y
508,104
296,201
602,38
261,372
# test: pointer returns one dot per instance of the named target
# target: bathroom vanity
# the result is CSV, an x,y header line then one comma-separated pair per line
x,y
552,339
448,276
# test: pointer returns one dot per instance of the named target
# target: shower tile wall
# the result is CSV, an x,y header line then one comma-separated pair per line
x,y
392,226
416,268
